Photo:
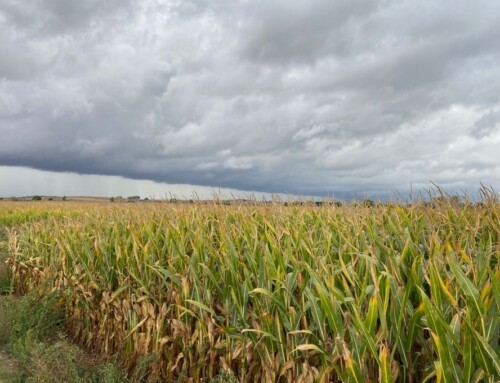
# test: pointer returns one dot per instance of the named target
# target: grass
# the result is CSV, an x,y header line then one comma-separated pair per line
x,y
387,293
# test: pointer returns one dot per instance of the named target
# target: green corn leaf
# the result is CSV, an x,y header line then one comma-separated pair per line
x,y
468,357
468,288
489,357
371,317
440,334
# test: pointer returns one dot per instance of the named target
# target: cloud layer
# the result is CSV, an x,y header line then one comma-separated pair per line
x,y
312,97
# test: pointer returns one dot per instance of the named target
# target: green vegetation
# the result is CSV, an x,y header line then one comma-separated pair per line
x,y
328,293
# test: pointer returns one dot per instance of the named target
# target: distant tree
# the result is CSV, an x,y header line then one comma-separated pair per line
x,y
51,199
37,198
369,203
64,198
112,199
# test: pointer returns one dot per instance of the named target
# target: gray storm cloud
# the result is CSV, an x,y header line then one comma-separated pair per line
x,y
310,97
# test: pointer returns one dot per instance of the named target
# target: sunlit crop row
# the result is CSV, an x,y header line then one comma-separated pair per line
x,y
276,293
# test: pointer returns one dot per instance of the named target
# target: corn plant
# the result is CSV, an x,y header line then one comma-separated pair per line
x,y
275,293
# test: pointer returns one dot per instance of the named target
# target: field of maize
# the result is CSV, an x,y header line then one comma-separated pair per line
x,y
274,293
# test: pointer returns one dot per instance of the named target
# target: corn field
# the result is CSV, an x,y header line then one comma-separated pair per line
x,y
274,293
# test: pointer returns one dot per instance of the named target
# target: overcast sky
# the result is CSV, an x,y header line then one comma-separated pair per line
x,y
302,97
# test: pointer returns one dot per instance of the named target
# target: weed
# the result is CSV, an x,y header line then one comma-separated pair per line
x,y
225,376
53,363
38,316
112,373
7,313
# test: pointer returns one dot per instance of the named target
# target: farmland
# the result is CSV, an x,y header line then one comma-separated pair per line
x,y
272,293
